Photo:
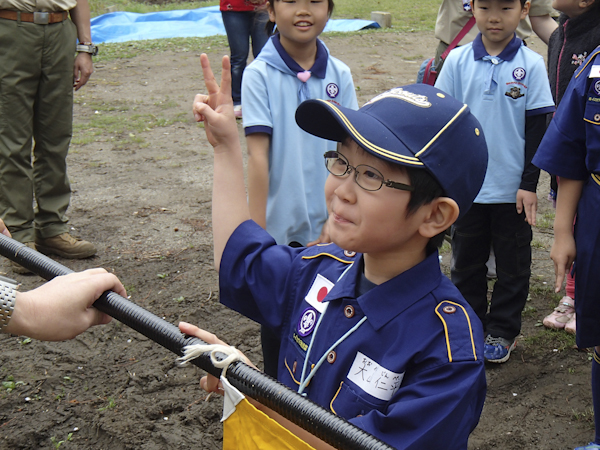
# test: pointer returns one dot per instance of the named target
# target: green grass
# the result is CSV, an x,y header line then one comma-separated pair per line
x,y
407,15
548,340
546,220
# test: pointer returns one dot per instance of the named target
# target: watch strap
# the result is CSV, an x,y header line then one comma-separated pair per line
x,y
8,297
87,48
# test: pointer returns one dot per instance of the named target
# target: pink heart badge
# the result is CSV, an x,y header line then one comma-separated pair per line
x,y
303,76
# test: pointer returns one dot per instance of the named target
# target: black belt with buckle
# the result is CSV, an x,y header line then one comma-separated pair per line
x,y
38,17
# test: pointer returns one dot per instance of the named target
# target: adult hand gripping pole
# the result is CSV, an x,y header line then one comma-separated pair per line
x,y
327,426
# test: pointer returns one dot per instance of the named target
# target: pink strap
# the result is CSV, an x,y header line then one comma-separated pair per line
x,y
460,36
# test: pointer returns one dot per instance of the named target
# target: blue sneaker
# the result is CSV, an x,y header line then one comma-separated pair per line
x,y
497,349
590,446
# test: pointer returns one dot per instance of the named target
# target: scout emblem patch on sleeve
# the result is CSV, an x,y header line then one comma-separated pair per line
x,y
317,293
373,378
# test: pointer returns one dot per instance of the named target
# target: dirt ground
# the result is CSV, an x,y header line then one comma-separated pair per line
x,y
141,175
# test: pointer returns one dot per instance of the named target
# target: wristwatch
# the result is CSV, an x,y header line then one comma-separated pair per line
x,y
87,47
8,296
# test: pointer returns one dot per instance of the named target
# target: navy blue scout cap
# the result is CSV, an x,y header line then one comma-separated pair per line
x,y
416,126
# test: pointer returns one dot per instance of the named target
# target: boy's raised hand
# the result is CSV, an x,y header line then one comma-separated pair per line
x,y
215,109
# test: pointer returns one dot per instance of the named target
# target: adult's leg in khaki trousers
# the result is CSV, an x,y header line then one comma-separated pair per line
x,y
36,100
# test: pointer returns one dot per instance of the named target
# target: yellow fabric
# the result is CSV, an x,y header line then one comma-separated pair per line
x,y
249,429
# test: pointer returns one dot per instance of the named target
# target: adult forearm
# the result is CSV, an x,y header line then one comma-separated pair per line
x,y
80,15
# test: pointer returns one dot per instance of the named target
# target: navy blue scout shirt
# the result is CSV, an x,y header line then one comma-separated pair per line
x,y
571,146
412,373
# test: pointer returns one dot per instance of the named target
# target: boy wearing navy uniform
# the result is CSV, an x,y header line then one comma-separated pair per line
x,y
371,329
506,86
571,150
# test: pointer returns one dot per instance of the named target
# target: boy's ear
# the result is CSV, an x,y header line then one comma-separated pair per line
x,y
271,11
443,212
525,9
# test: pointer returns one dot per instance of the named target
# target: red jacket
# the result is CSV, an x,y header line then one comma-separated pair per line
x,y
241,5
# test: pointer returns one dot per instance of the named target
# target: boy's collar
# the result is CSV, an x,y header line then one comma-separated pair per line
x,y
509,52
319,68
386,301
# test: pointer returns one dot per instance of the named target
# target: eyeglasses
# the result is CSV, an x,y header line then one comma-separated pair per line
x,y
367,177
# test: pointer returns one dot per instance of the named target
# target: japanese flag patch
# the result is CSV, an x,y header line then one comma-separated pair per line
x,y
595,71
317,293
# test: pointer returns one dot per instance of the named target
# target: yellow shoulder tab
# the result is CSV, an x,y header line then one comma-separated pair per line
x,y
458,330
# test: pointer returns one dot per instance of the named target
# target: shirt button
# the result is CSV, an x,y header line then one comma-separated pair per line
x,y
494,61
331,357
349,254
449,309
349,311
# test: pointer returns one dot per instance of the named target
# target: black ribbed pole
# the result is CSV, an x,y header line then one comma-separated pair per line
x,y
305,413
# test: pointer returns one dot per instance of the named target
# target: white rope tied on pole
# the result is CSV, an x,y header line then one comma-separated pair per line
x,y
194,351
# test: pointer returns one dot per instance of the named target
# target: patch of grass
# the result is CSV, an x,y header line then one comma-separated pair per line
x,y
538,289
10,384
445,248
548,340
529,311
546,220
587,416
111,404
125,50
407,15
58,443
114,125
538,244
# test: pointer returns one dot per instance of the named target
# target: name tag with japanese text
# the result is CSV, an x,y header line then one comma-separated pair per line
x,y
373,378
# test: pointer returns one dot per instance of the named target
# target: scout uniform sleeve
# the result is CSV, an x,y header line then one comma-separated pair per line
x,y
253,275
563,150
255,99
349,92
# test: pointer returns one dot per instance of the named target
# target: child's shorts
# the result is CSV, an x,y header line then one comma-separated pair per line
x,y
587,265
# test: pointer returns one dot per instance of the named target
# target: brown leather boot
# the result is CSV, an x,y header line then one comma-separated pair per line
x,y
66,246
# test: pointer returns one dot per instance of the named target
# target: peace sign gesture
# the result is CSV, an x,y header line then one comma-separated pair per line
x,y
215,109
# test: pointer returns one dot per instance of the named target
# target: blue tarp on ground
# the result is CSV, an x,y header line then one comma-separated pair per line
x,y
201,22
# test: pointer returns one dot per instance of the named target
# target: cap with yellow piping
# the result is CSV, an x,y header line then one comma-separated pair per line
x,y
416,126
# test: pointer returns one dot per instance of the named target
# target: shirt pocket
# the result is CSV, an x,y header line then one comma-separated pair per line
x,y
293,362
592,113
349,403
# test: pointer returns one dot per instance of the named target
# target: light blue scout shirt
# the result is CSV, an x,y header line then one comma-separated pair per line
x,y
501,91
403,361
271,92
